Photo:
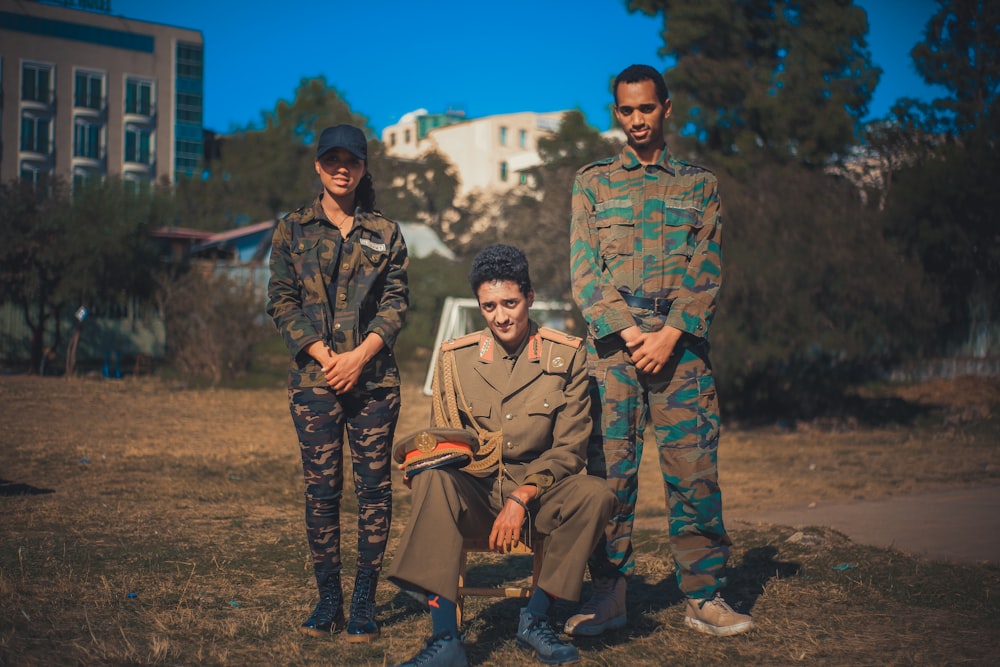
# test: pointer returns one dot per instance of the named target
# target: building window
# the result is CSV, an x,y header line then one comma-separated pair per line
x,y
523,179
522,138
189,108
37,176
189,60
503,171
36,83
87,139
88,92
137,144
406,137
84,177
188,156
392,139
36,133
135,183
503,136
139,97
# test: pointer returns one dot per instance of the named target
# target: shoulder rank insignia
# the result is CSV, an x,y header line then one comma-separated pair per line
x,y
463,341
557,336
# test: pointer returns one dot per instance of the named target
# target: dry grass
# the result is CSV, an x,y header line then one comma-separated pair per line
x,y
149,524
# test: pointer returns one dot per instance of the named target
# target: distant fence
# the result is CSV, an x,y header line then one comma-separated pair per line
x,y
136,330
946,368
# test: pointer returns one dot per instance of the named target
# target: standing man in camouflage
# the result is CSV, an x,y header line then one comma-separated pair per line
x,y
646,269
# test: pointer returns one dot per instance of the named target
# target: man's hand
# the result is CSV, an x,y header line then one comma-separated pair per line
x,y
506,531
651,351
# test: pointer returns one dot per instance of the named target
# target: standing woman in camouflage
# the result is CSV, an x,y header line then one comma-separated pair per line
x,y
338,295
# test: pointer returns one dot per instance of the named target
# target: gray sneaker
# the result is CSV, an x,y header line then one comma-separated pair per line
x,y
443,650
714,616
534,631
605,610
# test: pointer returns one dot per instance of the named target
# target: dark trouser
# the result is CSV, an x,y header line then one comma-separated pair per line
x,y
450,505
321,419
681,404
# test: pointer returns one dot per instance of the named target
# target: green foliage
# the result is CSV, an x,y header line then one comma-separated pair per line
x,y
961,51
415,190
790,79
31,256
62,251
268,170
942,209
814,292
538,221
432,280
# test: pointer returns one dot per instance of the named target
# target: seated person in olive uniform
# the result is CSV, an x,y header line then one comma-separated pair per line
x,y
520,393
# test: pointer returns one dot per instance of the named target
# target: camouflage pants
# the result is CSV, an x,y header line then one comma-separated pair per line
x,y
681,404
322,419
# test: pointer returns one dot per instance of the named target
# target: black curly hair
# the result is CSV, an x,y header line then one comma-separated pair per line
x,y
497,263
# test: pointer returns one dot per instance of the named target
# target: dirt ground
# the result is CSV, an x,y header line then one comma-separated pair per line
x,y
147,523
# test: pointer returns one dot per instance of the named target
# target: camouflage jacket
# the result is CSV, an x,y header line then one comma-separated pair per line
x,y
311,262
652,231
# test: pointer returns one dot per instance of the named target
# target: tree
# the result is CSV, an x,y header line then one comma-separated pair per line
x,y
420,190
942,203
31,256
943,211
815,293
62,251
537,221
961,51
267,170
789,78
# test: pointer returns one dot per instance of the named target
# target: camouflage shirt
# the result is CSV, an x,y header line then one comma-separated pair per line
x,y
651,231
335,289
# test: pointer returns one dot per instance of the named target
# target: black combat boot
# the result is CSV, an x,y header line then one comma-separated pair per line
x,y
361,626
328,616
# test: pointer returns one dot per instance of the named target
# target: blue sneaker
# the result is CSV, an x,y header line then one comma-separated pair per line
x,y
534,632
443,650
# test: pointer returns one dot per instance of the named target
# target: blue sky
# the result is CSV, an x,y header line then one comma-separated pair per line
x,y
388,57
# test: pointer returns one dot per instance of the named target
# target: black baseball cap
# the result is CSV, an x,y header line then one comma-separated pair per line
x,y
347,137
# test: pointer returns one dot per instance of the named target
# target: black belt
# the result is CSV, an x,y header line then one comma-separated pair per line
x,y
661,306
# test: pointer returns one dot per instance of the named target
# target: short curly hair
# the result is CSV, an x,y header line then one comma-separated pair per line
x,y
497,263
638,74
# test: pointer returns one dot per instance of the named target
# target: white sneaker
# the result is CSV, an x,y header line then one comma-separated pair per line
x,y
605,610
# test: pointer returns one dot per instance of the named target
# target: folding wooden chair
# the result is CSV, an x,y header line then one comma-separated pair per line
x,y
481,544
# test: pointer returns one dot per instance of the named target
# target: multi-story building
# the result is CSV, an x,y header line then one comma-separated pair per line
x,y
490,154
86,94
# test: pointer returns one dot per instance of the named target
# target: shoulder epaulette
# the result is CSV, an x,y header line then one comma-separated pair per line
x,y
691,167
597,163
463,341
557,336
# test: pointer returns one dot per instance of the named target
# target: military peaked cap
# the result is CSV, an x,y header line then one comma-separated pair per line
x,y
434,448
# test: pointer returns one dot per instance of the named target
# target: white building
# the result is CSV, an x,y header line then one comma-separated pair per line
x,y
490,154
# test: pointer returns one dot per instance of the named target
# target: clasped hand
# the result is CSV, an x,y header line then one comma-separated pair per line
x,y
651,350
